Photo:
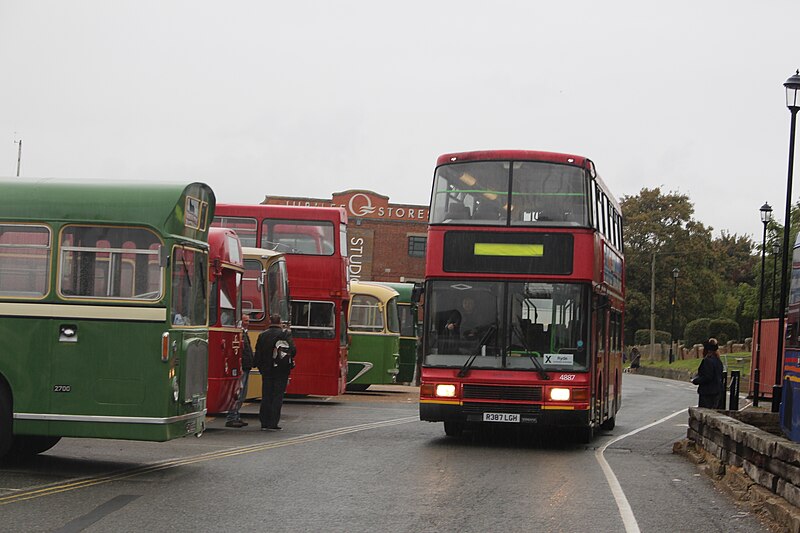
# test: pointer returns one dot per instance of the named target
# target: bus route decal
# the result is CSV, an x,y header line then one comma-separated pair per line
x,y
558,358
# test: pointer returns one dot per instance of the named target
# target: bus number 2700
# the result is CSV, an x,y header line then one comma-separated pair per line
x,y
62,388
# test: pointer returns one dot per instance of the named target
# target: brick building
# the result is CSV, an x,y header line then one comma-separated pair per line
x,y
386,241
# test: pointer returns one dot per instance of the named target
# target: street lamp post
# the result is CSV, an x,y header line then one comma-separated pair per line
x,y
766,214
792,86
675,273
776,250
19,155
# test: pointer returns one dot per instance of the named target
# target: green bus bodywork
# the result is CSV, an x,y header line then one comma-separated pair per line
x,y
103,311
407,307
374,333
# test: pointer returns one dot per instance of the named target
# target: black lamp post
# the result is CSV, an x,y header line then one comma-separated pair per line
x,y
792,86
675,273
766,214
776,250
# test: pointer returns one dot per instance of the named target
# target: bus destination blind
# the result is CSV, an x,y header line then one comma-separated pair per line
x,y
508,253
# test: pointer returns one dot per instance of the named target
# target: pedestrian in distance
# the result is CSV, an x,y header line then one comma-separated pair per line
x,y
234,419
709,380
275,351
635,357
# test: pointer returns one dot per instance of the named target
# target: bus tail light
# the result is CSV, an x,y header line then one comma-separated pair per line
x,y
165,346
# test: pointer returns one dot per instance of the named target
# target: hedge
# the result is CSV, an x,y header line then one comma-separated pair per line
x,y
642,336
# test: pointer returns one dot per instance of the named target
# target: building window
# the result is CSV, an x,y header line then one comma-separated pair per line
x,y
416,246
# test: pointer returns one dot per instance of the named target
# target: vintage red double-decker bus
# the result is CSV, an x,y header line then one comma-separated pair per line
x,y
314,242
226,268
524,294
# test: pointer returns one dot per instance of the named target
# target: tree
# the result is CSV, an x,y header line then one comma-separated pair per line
x,y
719,277
662,224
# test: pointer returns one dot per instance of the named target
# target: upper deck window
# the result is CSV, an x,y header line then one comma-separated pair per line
x,y
518,193
24,260
110,263
302,237
244,227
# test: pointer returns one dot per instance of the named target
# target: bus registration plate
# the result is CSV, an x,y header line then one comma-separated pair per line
x,y
500,417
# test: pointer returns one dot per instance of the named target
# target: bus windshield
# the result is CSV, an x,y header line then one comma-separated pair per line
x,y
407,315
189,291
547,321
516,193
278,290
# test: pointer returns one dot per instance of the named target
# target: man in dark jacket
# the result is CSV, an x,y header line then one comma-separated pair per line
x,y
234,420
709,379
275,351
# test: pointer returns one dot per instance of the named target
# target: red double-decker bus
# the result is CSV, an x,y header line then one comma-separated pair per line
x,y
314,242
524,294
225,312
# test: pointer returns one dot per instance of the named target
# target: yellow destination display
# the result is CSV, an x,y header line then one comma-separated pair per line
x,y
508,249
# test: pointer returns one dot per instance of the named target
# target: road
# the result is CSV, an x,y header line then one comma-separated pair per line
x,y
364,462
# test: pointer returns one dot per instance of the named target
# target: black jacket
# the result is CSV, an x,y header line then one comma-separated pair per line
x,y
247,353
709,376
265,347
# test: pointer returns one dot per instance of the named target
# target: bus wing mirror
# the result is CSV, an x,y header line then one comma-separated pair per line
x,y
603,301
416,292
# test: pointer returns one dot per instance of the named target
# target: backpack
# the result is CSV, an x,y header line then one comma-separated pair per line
x,y
282,353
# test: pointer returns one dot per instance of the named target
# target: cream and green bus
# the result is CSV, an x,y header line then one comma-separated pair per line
x,y
103,311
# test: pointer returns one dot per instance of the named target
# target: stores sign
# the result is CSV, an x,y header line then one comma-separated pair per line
x,y
363,204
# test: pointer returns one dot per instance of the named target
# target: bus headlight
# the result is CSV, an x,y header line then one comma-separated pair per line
x,y
559,394
445,390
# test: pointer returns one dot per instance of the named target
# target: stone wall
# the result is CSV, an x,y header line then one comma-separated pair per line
x,y
745,451
660,351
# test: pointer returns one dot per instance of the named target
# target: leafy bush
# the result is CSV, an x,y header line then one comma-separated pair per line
x,y
724,330
697,332
642,336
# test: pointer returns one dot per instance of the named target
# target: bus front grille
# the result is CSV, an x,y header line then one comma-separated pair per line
x,y
471,408
196,371
498,392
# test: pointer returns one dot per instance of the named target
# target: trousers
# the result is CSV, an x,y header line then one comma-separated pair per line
x,y
273,388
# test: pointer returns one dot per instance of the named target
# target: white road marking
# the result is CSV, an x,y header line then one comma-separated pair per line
x,y
625,511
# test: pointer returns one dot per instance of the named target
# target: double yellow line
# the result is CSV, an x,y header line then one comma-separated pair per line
x,y
174,463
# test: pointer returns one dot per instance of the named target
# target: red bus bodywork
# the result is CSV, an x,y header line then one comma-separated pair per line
x,y
318,276
593,393
224,332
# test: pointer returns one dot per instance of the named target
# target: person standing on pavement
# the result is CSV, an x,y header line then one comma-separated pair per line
x,y
234,419
709,380
275,351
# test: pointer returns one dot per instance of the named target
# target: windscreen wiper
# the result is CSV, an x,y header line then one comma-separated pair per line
x,y
542,373
203,279
484,340
186,270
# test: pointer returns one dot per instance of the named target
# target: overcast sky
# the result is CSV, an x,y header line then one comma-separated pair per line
x,y
307,98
